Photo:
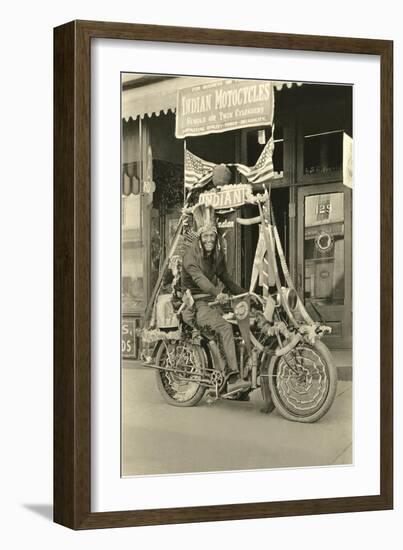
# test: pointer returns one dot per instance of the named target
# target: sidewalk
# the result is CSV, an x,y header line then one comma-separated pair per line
x,y
343,359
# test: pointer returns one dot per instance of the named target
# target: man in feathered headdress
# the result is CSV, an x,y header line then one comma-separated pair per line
x,y
203,268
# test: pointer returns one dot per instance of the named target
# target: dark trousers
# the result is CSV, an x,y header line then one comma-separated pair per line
x,y
211,318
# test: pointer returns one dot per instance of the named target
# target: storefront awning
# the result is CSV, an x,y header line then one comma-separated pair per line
x,y
160,97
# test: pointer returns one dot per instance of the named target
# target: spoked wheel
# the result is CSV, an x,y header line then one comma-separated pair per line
x,y
180,386
303,382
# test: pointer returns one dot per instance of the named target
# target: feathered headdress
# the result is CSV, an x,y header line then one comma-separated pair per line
x,y
204,218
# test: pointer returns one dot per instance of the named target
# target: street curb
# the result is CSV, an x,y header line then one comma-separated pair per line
x,y
345,373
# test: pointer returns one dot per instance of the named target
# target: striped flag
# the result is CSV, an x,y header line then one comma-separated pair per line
x,y
263,169
261,266
198,172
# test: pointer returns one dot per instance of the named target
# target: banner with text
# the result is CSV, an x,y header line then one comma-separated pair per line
x,y
223,105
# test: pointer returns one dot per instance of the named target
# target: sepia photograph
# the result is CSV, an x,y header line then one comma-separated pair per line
x,y
236,274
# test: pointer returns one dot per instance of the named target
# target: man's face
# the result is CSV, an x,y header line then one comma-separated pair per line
x,y
208,240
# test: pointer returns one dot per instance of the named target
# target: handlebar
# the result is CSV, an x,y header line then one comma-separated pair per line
x,y
236,297
229,299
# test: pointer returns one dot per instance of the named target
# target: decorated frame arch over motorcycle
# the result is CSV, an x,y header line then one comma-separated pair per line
x,y
278,343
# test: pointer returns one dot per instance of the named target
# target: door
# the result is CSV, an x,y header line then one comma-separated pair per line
x,y
324,258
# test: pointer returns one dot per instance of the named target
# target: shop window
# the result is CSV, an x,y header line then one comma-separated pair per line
x,y
132,255
256,141
217,148
323,153
166,211
168,178
324,248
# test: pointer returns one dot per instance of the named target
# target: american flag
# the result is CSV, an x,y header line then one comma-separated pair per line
x,y
263,169
198,172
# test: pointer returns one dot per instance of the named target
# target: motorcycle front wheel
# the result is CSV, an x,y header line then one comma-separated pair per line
x,y
180,384
303,382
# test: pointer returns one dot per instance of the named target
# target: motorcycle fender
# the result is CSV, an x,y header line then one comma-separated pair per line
x,y
291,345
156,348
153,354
264,382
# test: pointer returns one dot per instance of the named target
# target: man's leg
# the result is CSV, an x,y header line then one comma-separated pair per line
x,y
211,317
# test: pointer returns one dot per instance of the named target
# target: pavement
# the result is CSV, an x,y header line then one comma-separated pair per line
x,y
158,438
343,359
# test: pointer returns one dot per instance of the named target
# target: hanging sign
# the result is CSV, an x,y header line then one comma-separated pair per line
x,y
229,196
223,105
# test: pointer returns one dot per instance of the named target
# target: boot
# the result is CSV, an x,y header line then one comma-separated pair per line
x,y
240,396
236,384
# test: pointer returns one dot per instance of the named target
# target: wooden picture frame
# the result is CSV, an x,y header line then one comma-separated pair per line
x,y
72,274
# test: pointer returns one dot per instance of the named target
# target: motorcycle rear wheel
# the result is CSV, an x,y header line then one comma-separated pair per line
x,y
174,387
303,382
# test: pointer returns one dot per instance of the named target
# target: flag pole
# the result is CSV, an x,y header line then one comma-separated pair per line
x,y
184,172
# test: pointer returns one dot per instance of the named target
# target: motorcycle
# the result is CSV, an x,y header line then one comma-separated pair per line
x,y
278,346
